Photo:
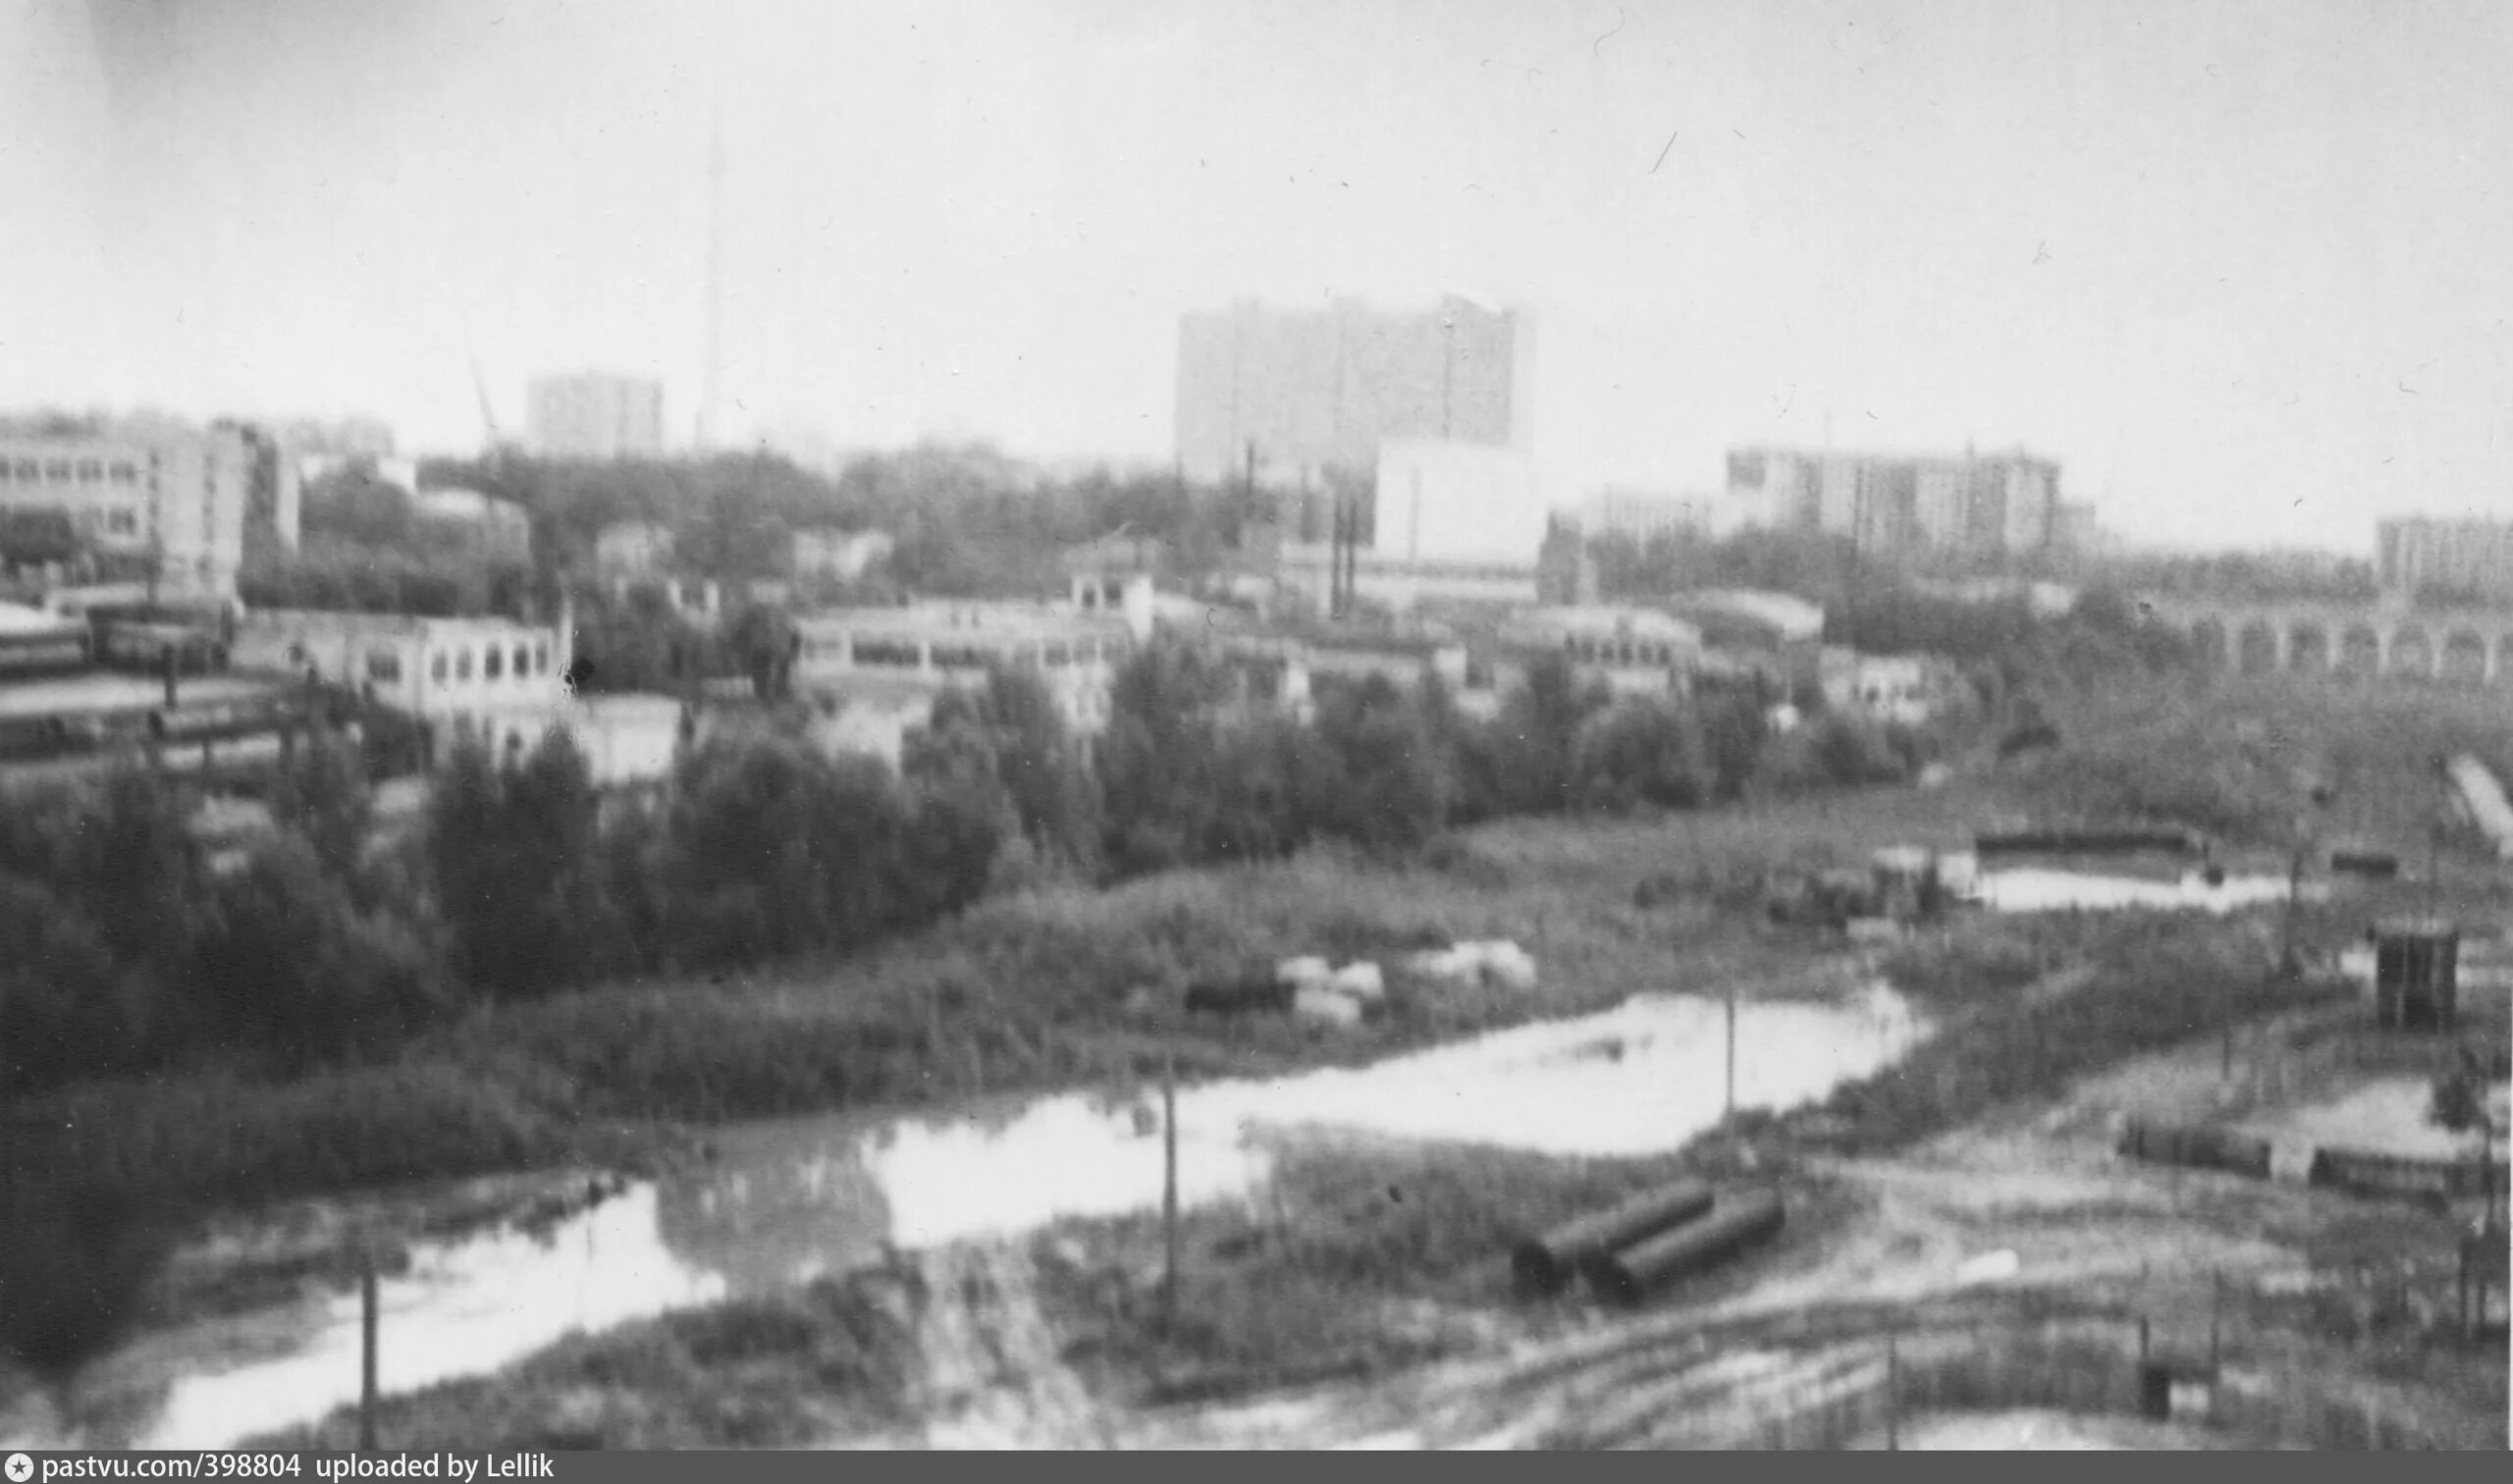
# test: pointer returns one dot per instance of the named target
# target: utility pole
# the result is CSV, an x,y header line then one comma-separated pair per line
x,y
368,1317
1729,1121
1169,1193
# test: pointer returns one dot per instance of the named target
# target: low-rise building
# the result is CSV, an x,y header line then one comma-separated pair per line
x,y
495,681
1774,634
847,655
1906,690
1636,651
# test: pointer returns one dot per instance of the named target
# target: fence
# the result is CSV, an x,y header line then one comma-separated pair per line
x,y
2222,1355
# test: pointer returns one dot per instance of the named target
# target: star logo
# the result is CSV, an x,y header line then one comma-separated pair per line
x,y
21,1468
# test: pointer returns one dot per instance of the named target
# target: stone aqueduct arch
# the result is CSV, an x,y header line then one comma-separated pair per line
x,y
2364,642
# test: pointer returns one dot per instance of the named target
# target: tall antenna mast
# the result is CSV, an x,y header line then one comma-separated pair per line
x,y
709,392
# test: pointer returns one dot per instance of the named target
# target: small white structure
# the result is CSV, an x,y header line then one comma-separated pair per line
x,y
1897,688
1327,1007
1498,962
844,555
1309,970
1359,981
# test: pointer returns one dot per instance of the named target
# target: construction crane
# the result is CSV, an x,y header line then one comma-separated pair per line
x,y
488,415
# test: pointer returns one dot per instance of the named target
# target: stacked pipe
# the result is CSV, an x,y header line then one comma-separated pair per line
x,y
1629,1275
2196,1147
1546,1264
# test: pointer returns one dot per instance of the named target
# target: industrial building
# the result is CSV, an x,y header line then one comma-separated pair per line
x,y
165,504
595,416
873,674
1633,651
1979,506
2467,560
495,681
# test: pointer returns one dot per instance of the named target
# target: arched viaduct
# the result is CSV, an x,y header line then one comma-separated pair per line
x,y
2368,640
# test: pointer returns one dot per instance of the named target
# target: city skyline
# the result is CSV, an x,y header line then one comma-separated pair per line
x,y
2239,280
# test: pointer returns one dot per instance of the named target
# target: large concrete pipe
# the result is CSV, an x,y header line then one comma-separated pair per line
x,y
1546,1264
1735,1223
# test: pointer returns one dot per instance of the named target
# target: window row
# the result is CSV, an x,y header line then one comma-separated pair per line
x,y
493,662
1589,651
85,471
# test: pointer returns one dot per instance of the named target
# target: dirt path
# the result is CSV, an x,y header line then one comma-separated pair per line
x,y
990,1375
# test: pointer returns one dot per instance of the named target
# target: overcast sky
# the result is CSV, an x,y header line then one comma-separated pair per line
x,y
2245,269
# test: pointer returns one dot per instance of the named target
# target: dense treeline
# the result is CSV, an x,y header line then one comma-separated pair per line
x,y
967,521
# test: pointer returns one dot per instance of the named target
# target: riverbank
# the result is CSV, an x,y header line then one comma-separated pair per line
x,y
1364,1256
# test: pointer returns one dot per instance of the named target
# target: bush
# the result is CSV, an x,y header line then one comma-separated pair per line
x,y
296,967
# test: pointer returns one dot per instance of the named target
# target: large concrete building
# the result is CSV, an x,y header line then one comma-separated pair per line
x,y
1303,392
169,506
591,414
2464,559
1981,507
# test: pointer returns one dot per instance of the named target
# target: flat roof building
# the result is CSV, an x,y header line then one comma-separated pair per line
x,y
160,503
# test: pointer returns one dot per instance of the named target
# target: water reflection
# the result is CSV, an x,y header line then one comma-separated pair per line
x,y
462,1307
2033,889
783,1203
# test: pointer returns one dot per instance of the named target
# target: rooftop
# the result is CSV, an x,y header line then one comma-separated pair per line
x,y
971,620
100,692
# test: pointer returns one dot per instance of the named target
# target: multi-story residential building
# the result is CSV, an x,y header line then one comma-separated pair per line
x,y
155,502
1990,506
2466,559
1306,391
594,415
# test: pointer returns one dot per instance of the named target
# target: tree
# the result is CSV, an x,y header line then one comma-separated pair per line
x,y
296,968
519,870
1538,736
1644,752
322,795
1384,784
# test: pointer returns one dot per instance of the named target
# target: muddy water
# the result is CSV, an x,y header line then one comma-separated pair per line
x,y
783,1203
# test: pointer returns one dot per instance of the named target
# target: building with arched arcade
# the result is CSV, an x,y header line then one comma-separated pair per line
x,y
2388,639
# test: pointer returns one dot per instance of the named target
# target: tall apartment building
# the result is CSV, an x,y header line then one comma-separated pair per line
x,y
1975,505
2462,558
1308,391
150,502
594,415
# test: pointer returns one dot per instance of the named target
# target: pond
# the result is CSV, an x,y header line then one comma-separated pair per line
x,y
783,1203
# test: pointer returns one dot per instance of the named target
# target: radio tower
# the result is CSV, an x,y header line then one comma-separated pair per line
x,y
709,390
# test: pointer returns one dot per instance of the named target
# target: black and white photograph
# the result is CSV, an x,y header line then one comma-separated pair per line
x,y
789,725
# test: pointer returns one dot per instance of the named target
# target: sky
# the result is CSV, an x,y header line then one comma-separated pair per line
x,y
2244,269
